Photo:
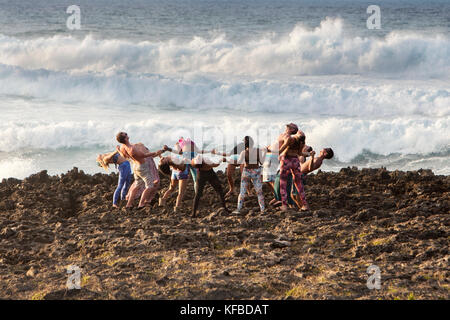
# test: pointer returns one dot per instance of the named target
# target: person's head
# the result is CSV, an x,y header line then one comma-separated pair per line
x,y
307,148
164,166
122,137
327,153
291,128
101,162
248,142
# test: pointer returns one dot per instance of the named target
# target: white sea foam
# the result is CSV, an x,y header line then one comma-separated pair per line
x,y
68,97
348,137
337,95
323,50
17,167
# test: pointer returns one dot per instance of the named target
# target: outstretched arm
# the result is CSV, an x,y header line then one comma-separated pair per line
x,y
308,166
154,154
142,152
202,151
223,154
312,161
174,150
213,164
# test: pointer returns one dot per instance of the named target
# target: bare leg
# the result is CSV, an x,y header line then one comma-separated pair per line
x,y
148,195
169,191
132,194
270,185
182,184
297,200
230,177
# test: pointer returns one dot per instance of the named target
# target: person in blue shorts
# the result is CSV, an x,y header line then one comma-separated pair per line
x,y
179,175
187,148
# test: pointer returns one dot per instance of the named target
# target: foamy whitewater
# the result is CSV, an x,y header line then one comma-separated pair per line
x,y
219,70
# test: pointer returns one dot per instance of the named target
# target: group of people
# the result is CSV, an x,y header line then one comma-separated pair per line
x,y
283,166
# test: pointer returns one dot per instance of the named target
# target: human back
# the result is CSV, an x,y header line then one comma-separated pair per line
x,y
295,145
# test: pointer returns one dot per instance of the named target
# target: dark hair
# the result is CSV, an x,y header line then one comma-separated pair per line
x,y
293,126
302,139
238,148
248,142
164,166
121,137
329,152
309,149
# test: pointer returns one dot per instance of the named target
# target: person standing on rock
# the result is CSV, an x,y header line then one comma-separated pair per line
x,y
206,174
252,158
104,160
179,175
290,153
189,150
232,164
145,171
272,162
291,190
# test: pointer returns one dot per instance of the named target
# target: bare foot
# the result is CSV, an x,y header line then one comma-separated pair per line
x,y
277,203
115,206
161,202
283,208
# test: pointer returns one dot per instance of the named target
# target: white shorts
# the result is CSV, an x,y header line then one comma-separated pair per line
x,y
270,167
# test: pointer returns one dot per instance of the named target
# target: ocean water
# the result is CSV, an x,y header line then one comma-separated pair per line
x,y
219,70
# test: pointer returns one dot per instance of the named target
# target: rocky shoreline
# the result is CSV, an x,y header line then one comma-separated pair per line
x,y
398,221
